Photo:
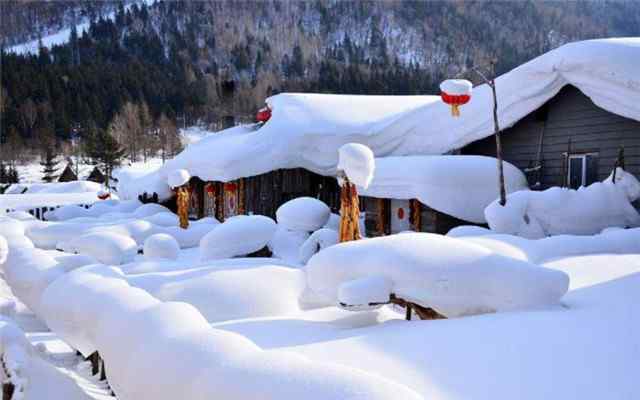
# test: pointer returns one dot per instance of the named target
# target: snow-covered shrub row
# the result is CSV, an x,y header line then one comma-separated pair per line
x,y
557,211
320,239
237,236
228,292
450,275
619,241
161,245
304,214
137,335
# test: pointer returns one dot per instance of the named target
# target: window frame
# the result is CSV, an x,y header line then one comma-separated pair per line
x,y
582,156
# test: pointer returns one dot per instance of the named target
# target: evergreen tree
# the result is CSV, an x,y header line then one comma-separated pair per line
x,y
49,165
104,151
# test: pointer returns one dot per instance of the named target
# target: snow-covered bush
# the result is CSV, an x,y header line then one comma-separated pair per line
x,y
333,222
107,247
452,276
303,214
557,211
358,162
161,245
318,240
237,236
286,244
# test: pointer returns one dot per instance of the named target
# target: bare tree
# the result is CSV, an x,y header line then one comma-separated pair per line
x,y
127,130
169,137
28,115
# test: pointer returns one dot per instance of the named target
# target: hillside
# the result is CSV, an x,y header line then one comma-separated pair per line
x,y
200,61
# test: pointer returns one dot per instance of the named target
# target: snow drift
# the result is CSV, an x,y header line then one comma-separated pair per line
x,y
452,276
557,211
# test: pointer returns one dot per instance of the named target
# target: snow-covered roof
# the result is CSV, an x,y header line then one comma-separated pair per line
x,y
306,130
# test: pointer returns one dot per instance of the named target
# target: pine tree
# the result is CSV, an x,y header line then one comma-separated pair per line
x,y
104,151
49,165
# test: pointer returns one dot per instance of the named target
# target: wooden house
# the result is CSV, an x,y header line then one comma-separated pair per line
x,y
67,174
569,142
552,130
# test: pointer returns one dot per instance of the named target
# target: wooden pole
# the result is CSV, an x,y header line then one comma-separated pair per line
x,y
496,128
7,391
349,212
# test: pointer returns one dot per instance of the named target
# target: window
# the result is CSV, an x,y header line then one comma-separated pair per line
x,y
582,169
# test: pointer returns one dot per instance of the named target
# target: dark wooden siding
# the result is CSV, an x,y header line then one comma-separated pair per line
x,y
569,117
265,193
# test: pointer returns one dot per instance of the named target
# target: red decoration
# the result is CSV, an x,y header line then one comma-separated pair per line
x,y
230,187
104,196
400,213
211,190
455,101
263,115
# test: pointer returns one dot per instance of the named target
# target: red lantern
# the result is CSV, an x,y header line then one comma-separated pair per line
x,y
211,189
455,92
104,195
263,115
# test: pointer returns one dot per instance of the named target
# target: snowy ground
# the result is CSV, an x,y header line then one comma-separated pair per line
x,y
254,327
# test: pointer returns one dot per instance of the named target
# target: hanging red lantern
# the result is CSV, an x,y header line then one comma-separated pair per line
x,y
104,195
263,115
211,189
456,92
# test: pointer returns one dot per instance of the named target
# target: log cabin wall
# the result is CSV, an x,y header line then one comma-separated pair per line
x,y
569,121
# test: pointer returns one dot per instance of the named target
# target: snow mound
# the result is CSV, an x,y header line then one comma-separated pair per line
x,y
163,219
621,241
557,211
450,275
221,295
107,247
21,216
320,239
4,250
357,162
237,236
285,244
190,237
178,178
220,364
161,245
365,293
69,211
468,230
303,214
11,227
147,210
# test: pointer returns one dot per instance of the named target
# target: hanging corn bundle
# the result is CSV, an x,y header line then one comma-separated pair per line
x,y
355,167
183,206
349,211
178,181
